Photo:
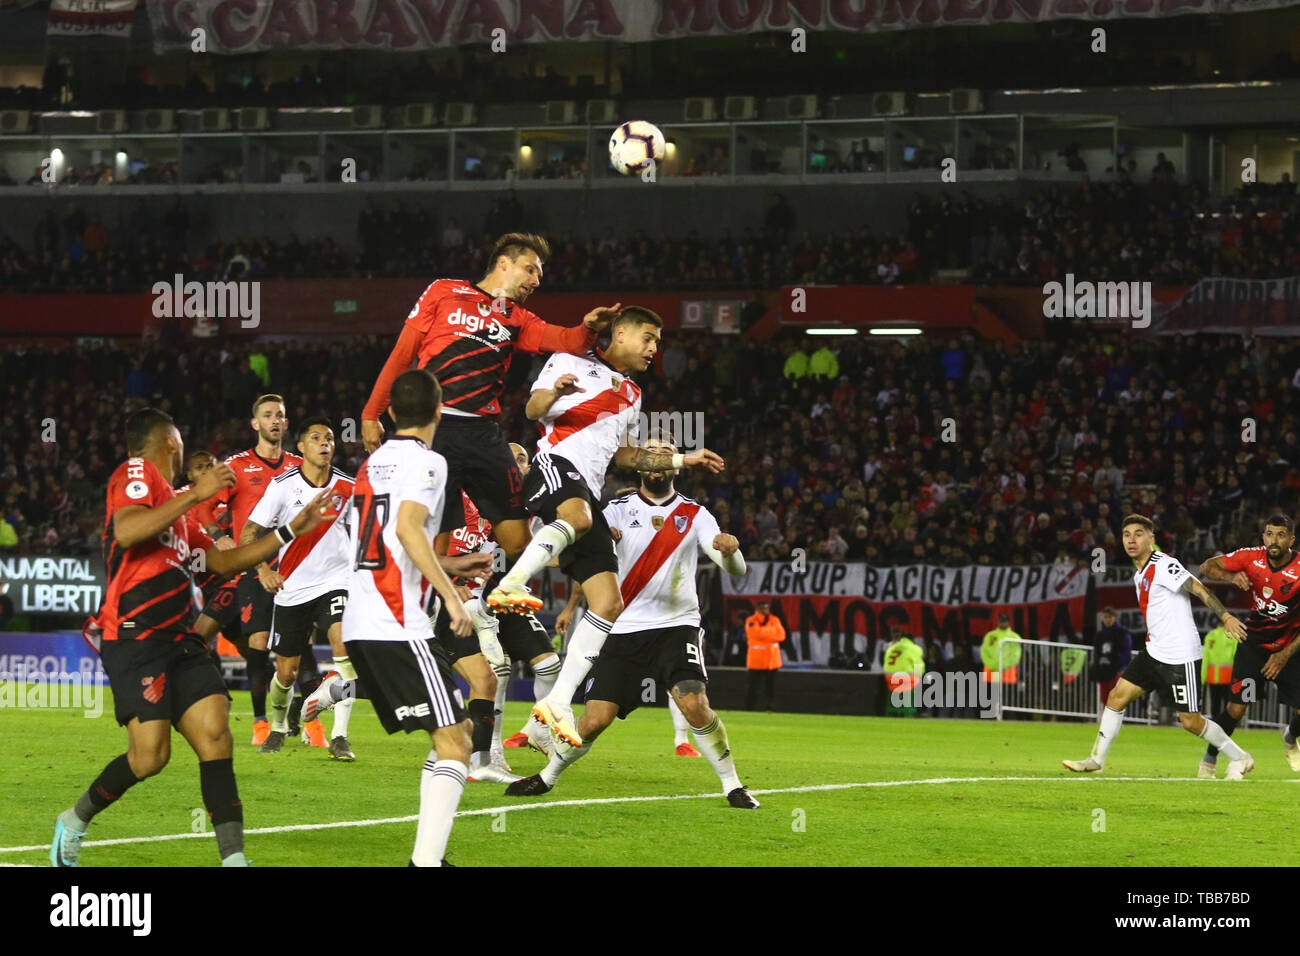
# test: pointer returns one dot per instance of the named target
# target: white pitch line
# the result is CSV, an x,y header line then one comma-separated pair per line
x,y
597,801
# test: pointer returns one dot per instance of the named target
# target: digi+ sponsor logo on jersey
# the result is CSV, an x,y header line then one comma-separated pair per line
x,y
493,330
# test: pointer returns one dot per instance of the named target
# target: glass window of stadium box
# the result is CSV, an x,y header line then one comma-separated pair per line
x,y
765,149
1138,150
989,145
416,156
484,154
557,152
85,160
21,157
359,156
1062,147
146,160
846,146
290,159
915,148
208,158
695,151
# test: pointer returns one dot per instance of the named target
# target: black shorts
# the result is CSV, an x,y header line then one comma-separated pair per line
x,y
409,683
255,604
292,624
456,648
479,461
552,481
159,679
223,607
1179,684
523,638
640,668
1248,665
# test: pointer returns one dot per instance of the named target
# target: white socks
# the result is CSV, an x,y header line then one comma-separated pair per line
x,y
562,758
712,738
343,709
1214,735
584,647
499,704
681,729
1111,722
278,698
441,784
546,545
545,672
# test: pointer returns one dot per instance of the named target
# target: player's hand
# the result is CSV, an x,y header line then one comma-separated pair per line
x,y
1241,580
600,318
462,592
616,535
705,459
566,385
1273,666
372,434
272,581
461,625
728,544
225,543
563,620
477,566
213,480
317,510
1236,630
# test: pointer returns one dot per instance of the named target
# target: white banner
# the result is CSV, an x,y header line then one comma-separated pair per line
x,y
245,26
106,18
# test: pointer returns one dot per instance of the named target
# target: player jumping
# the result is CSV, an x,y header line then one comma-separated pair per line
x,y
1272,574
315,570
158,668
1171,660
587,408
466,335
657,640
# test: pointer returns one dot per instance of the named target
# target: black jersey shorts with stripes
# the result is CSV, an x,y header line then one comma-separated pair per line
x,y
456,648
523,637
256,604
409,683
641,668
1248,676
292,624
550,482
159,679
1179,684
480,463
223,607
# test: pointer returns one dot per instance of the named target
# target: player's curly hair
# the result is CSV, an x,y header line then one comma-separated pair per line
x,y
514,244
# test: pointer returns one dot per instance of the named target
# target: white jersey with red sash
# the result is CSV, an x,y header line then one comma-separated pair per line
x,y
657,556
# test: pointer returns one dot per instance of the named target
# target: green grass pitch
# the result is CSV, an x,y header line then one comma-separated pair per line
x,y
941,818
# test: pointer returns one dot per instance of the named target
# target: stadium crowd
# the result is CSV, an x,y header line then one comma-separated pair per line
x,y
933,451
1105,231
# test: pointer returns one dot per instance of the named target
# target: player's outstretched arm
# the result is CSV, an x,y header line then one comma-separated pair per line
x,y
263,549
654,459
1234,627
411,516
270,579
399,360
1212,569
137,523
539,336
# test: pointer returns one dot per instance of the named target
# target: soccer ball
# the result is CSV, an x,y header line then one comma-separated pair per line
x,y
634,146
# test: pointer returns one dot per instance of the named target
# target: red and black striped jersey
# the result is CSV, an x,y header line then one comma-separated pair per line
x,y
1275,596
148,592
467,338
253,474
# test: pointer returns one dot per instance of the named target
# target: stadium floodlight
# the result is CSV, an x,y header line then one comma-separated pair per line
x,y
830,330
899,330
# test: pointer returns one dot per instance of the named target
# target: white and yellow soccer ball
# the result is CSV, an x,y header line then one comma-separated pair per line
x,y
636,145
